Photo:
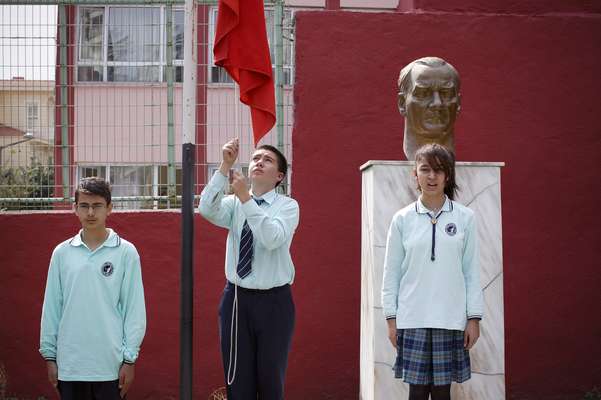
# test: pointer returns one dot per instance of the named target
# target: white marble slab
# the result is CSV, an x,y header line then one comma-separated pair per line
x,y
388,186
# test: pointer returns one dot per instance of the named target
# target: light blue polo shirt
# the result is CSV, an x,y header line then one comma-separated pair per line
x,y
422,292
94,316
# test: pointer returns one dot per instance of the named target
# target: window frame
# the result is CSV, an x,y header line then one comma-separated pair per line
x,y
211,35
105,64
35,121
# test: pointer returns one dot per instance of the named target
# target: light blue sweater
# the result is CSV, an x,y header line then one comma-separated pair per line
x,y
424,293
94,316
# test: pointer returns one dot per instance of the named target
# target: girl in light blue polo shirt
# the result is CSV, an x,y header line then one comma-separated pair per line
x,y
431,293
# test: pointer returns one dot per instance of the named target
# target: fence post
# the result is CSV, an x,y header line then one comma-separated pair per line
x,y
279,71
63,47
171,192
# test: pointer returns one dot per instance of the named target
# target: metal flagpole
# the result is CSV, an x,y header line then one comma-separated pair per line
x,y
188,161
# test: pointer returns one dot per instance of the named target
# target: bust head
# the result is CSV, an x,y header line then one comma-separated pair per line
x,y
429,100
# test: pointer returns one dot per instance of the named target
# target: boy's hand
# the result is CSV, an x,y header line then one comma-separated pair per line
x,y
53,375
126,377
52,372
230,154
240,187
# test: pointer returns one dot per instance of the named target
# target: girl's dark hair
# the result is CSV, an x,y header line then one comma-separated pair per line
x,y
440,159
94,185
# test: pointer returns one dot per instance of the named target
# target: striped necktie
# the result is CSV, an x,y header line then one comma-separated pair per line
x,y
245,258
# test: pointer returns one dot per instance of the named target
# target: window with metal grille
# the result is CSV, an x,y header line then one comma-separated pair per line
x,y
218,74
33,115
127,44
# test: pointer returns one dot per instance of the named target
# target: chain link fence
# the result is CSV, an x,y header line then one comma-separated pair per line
x,y
95,89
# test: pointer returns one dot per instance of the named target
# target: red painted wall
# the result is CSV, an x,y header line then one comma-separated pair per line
x,y
530,90
510,6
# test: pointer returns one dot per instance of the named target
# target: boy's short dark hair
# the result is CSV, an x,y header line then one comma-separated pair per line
x,y
282,162
96,186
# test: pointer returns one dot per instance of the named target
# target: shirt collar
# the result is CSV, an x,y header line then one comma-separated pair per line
x,y
268,197
113,240
422,209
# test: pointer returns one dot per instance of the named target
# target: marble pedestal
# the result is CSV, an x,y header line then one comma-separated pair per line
x,y
388,186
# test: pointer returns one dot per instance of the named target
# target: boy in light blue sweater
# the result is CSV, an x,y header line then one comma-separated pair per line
x,y
94,316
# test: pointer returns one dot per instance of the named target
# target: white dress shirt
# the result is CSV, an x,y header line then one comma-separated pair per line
x,y
272,224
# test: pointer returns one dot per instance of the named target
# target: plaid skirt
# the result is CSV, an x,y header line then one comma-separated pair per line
x,y
428,356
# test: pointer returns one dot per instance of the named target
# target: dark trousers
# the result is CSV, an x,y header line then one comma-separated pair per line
x,y
108,390
265,327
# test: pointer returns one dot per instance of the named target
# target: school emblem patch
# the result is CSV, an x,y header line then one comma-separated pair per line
x,y
107,269
450,229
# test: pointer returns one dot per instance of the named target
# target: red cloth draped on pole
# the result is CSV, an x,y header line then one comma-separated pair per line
x,y
241,48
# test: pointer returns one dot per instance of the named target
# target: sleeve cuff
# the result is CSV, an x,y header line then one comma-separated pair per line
x,y
48,355
130,357
219,180
390,317
475,316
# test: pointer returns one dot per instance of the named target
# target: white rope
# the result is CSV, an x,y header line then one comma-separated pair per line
x,y
231,372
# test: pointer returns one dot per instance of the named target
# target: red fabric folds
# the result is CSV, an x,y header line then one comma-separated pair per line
x,y
241,48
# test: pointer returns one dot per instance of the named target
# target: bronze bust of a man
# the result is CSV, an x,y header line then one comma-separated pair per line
x,y
429,100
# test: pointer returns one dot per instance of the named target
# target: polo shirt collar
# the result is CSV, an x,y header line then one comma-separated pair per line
x,y
422,209
268,197
113,240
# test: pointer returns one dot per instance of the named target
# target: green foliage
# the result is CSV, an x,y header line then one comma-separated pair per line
x,y
35,181
594,394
